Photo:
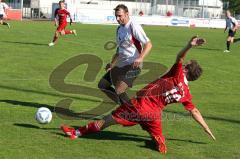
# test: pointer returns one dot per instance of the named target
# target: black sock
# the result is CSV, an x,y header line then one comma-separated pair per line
x,y
228,45
124,99
112,89
116,97
4,23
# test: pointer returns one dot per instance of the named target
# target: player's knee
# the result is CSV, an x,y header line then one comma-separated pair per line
x,y
120,90
121,87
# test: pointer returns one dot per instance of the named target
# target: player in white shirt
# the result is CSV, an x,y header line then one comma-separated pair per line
x,y
133,46
231,25
3,7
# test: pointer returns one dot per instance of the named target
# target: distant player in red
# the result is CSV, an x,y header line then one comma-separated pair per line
x,y
61,15
147,107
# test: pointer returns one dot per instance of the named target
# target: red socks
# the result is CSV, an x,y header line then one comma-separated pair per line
x,y
92,127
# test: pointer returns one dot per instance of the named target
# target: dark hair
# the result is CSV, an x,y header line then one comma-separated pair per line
x,y
194,71
121,6
61,2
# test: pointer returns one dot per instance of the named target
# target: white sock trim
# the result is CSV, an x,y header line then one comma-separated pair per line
x,y
78,133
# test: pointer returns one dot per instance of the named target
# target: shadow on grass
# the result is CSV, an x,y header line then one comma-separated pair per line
x,y
119,136
30,126
25,43
45,93
183,140
150,144
110,135
57,110
28,104
71,113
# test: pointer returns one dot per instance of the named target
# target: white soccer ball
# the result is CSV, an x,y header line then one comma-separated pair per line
x,y
43,115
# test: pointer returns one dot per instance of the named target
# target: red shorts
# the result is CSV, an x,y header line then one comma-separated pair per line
x,y
149,118
61,27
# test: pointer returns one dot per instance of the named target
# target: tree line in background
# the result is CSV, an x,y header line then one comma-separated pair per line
x,y
232,5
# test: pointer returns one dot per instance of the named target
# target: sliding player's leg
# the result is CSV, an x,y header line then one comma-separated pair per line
x,y
122,115
147,117
153,125
92,127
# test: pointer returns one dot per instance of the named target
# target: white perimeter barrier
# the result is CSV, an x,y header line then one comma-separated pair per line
x,y
105,15
104,18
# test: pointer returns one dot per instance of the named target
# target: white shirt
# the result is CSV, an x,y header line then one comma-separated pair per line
x,y
3,6
231,23
127,37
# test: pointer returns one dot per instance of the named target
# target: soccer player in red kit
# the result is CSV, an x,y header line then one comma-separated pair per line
x,y
61,22
146,108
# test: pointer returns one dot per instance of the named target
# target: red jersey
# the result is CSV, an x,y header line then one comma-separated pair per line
x,y
170,88
62,15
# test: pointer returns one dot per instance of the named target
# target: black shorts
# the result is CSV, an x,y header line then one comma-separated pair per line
x,y
231,33
126,74
1,16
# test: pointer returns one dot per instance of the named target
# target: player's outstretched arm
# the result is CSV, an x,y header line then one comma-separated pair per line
x,y
225,29
55,18
71,21
198,117
195,41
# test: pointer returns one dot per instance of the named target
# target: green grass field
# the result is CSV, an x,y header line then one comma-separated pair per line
x,y
27,63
